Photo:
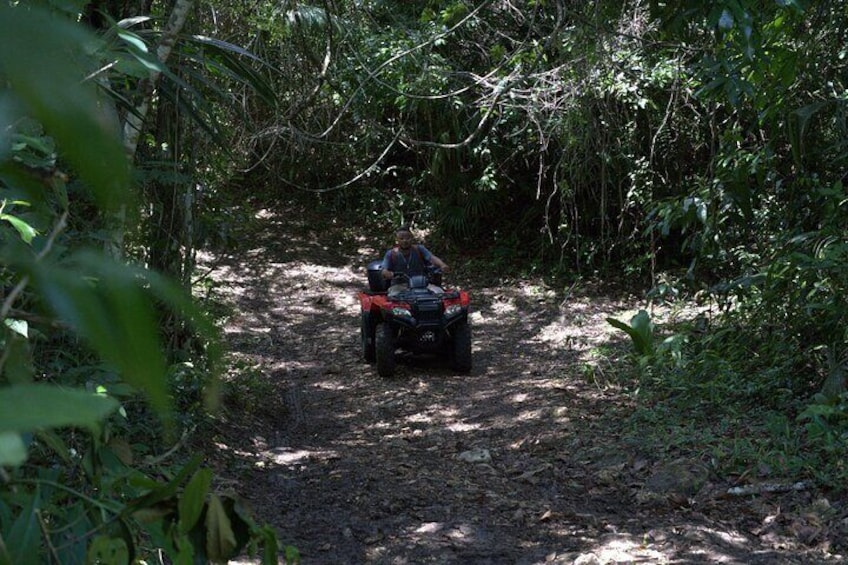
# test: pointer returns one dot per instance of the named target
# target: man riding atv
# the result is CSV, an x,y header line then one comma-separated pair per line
x,y
415,315
408,259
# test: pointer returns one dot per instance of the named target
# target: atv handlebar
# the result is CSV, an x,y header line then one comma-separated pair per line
x,y
431,272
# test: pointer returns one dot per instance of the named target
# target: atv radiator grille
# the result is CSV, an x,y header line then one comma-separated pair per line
x,y
429,311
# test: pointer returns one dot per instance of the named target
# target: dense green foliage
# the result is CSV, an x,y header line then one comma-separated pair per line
x,y
92,396
700,152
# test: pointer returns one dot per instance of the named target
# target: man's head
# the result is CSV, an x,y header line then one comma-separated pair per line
x,y
404,237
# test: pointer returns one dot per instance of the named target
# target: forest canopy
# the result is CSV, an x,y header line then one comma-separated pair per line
x,y
695,153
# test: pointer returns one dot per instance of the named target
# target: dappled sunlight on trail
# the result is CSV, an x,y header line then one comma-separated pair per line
x,y
518,462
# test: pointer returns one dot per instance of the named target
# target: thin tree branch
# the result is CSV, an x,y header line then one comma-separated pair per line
x,y
351,181
377,70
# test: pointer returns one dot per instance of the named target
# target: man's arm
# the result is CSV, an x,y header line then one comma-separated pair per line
x,y
439,263
387,262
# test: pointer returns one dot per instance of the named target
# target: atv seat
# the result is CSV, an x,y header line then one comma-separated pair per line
x,y
376,282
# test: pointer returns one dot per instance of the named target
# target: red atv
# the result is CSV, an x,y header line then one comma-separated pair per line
x,y
417,320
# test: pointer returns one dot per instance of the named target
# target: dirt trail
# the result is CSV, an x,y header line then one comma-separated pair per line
x,y
520,462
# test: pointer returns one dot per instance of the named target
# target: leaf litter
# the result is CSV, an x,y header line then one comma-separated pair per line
x,y
522,461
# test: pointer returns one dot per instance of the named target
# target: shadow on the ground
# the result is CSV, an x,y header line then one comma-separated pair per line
x,y
519,462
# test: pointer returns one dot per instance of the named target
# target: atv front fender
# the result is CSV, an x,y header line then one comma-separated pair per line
x,y
365,301
456,319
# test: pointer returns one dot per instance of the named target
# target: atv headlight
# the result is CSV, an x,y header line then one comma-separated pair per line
x,y
402,312
453,310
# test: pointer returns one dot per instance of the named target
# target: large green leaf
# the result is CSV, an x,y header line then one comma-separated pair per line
x,y
28,407
41,60
220,539
159,492
107,304
226,59
26,231
193,499
640,330
106,550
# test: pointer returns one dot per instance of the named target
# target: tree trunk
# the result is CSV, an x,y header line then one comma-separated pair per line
x,y
135,120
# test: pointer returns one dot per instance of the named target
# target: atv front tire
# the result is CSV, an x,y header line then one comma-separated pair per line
x,y
461,354
367,335
385,350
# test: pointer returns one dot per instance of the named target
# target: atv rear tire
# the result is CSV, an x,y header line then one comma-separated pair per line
x,y
367,335
461,354
384,339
